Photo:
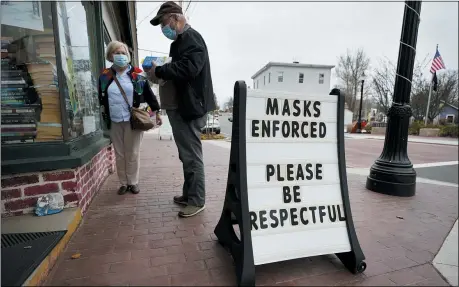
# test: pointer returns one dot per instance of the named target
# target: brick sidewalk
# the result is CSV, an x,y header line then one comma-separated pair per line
x,y
139,240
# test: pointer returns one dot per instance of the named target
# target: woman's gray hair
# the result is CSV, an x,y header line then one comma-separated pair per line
x,y
112,46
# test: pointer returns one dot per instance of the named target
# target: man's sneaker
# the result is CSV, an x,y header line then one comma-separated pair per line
x,y
191,210
134,188
179,199
122,190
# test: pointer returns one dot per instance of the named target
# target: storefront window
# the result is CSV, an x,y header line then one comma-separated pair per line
x,y
78,47
30,105
106,42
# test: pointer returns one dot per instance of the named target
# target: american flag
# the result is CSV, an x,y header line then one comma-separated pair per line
x,y
437,63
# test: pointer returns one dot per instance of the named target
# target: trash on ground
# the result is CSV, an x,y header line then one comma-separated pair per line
x,y
49,204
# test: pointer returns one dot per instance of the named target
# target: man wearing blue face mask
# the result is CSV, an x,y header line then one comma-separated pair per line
x,y
189,99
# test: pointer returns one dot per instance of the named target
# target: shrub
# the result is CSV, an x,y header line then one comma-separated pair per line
x,y
449,131
212,137
415,127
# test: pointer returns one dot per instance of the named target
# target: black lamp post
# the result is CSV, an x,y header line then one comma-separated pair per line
x,y
393,173
359,121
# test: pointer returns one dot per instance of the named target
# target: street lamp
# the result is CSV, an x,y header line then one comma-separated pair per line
x,y
359,121
393,173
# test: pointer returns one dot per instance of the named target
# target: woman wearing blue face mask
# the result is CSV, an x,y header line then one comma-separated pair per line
x,y
121,87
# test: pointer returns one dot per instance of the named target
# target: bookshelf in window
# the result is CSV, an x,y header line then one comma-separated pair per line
x,y
30,96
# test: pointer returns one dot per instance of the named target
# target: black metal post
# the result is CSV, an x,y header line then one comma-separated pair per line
x,y
359,121
393,173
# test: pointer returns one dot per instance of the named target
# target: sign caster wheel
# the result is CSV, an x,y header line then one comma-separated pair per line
x,y
362,266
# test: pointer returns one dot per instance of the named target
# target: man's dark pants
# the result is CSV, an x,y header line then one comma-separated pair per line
x,y
187,135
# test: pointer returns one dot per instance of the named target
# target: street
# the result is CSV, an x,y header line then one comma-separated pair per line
x,y
361,153
441,173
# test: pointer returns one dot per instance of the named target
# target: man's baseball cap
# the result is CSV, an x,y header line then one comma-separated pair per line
x,y
166,8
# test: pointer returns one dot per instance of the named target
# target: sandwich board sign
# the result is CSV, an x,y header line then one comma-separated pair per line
x,y
287,183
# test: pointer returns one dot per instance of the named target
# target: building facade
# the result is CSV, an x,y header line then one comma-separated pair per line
x,y
293,77
449,114
52,135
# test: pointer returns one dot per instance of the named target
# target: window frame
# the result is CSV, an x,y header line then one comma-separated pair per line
x,y
269,77
300,78
449,115
321,78
280,76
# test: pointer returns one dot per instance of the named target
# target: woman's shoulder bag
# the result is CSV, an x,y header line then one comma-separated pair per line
x,y
140,118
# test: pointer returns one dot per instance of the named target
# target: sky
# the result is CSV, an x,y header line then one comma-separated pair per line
x,y
242,37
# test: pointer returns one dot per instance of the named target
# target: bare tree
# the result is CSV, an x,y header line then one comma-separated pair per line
x,y
217,106
447,91
229,103
351,70
383,81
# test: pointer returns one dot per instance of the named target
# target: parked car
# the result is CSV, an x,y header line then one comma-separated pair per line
x,y
212,125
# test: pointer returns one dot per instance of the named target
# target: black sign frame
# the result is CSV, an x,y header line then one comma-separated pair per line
x,y
236,206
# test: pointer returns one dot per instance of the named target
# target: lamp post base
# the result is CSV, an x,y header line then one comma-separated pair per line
x,y
398,179
359,127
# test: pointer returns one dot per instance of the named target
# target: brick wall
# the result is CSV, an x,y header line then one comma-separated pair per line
x,y
78,186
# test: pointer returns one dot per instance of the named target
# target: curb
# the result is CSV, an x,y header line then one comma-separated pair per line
x,y
452,143
39,275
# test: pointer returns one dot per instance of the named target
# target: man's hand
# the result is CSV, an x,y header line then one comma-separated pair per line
x,y
159,122
153,66
151,71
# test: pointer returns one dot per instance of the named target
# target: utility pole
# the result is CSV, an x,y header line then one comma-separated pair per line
x,y
393,173
359,121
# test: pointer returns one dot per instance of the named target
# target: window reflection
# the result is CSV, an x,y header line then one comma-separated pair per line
x,y
29,94
78,52
107,40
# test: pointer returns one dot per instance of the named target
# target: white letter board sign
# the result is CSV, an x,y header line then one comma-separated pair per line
x,y
287,186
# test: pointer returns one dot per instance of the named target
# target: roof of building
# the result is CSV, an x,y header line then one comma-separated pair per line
x,y
294,65
448,104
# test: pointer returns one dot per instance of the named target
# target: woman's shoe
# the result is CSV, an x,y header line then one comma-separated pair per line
x,y
134,188
122,190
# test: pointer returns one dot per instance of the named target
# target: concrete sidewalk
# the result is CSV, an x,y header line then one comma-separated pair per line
x,y
416,139
139,240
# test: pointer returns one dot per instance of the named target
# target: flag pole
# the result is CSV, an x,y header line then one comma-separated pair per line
x,y
428,101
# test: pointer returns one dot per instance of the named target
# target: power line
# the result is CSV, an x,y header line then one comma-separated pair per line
x,y
188,6
153,51
149,14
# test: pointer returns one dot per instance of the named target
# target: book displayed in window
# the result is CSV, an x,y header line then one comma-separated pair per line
x,y
30,105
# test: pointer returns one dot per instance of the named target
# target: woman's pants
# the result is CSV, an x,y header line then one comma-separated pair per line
x,y
127,150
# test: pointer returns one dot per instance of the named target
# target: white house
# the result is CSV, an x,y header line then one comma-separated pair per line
x,y
294,77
